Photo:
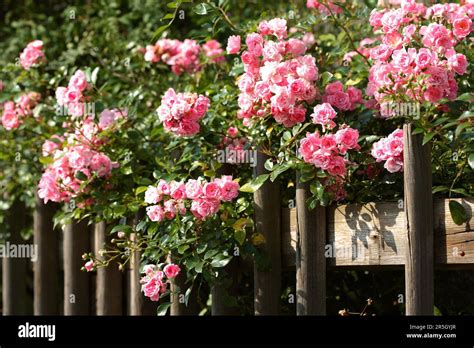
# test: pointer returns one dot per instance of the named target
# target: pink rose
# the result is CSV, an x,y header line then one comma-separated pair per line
x,y
462,27
458,63
155,213
233,44
171,270
10,120
323,114
254,43
152,195
193,189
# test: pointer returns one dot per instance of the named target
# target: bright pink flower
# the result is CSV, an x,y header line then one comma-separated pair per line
x,y
324,114
78,81
153,195
213,50
233,44
171,270
89,266
155,213
462,27
32,54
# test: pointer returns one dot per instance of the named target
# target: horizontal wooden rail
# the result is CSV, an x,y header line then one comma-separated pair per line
x,y
374,234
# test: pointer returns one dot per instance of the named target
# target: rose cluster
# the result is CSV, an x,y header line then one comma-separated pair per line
x,y
180,112
335,95
318,5
154,283
14,113
183,56
278,76
418,54
72,96
327,151
32,54
77,158
203,198
390,150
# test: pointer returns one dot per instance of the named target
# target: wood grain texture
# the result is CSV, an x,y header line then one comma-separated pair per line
x,y
109,279
419,261
267,281
76,282
374,234
14,282
310,258
46,268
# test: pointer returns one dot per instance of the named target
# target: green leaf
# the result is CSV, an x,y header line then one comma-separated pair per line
x,y
210,253
278,169
468,97
46,160
201,9
437,189
182,248
418,131
80,175
163,309
326,77
140,189
460,128
317,189
470,160
121,228
159,31
428,137
269,164
239,236
255,184
94,75
221,261
458,213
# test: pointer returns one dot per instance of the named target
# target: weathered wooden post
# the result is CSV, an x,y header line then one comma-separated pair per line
x,y
13,266
76,282
220,291
267,282
109,279
178,291
419,219
138,304
46,268
310,258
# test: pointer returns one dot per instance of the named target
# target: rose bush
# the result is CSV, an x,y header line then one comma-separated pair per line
x,y
151,122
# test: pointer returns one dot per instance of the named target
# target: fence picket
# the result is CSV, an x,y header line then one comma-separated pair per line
x,y
310,258
46,268
419,264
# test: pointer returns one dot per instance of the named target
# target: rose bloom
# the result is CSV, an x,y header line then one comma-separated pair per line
x,y
171,270
233,44
155,213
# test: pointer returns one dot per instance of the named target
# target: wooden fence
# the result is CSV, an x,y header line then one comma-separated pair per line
x,y
417,234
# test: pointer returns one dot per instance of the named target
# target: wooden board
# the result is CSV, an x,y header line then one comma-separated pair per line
x,y
374,234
